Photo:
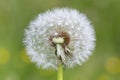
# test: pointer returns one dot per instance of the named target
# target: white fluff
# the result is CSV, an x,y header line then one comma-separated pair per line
x,y
75,23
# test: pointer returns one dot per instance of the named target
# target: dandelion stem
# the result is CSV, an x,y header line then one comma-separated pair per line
x,y
60,72
60,55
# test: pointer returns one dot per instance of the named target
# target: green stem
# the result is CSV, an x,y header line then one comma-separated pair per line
x,y
60,72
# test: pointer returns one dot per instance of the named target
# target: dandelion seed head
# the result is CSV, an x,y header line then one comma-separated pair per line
x,y
75,29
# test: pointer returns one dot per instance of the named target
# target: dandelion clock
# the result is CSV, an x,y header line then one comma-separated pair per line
x,y
59,38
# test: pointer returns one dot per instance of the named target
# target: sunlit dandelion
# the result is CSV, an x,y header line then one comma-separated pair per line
x,y
59,36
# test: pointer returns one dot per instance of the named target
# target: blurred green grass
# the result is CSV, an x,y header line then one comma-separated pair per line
x,y
104,64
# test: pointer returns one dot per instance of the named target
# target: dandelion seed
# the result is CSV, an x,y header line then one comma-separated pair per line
x,y
59,36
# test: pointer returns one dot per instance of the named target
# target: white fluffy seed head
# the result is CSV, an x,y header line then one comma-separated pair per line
x,y
71,21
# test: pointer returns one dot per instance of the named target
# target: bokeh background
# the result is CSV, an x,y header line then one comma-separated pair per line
x,y
104,64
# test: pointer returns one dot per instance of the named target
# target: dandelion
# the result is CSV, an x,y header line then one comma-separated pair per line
x,y
59,36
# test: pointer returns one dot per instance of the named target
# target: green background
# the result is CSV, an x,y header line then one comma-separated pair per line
x,y
104,64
